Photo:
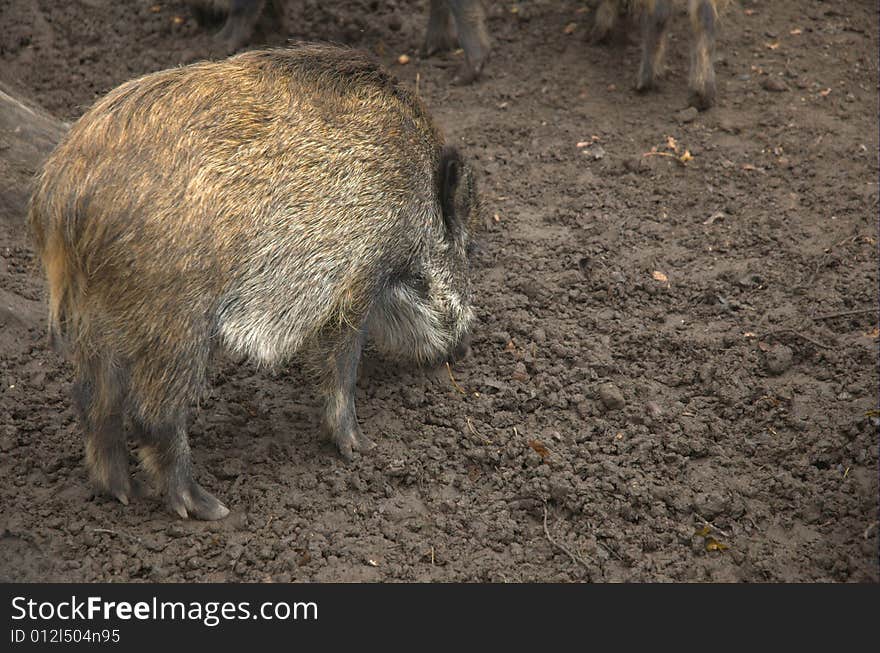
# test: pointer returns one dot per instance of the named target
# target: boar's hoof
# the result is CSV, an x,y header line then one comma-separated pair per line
x,y
119,487
645,83
350,441
111,479
468,74
438,41
703,98
192,500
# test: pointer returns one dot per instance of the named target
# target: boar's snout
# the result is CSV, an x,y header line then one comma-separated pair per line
x,y
462,350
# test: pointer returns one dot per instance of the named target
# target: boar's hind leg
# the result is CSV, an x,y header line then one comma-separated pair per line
x,y
655,18
339,376
165,454
163,386
440,35
702,80
470,21
98,393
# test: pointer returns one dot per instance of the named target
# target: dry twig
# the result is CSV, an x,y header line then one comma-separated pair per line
x,y
711,525
830,316
452,378
474,431
815,343
574,557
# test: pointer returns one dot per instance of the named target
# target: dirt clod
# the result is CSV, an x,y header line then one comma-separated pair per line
x,y
611,396
778,359
687,115
774,84
710,505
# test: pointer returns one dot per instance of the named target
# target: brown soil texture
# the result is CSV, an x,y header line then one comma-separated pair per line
x,y
659,390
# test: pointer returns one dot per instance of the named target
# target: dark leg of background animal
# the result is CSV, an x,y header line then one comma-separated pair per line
x,y
470,21
339,377
606,19
203,15
240,23
702,79
655,18
97,395
440,35
165,454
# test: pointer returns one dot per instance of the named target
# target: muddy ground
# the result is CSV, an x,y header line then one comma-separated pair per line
x,y
675,364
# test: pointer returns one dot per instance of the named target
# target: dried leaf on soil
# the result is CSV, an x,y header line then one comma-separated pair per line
x,y
671,144
539,448
520,374
593,139
659,276
714,545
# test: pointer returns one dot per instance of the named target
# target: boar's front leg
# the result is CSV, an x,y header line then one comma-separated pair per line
x,y
342,356
98,397
440,35
702,78
470,21
655,19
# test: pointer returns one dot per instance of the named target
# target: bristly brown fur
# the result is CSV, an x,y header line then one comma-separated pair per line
x,y
265,204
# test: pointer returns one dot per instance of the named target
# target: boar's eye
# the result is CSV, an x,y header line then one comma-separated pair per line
x,y
417,282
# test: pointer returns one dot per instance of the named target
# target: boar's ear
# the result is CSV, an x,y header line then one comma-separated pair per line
x,y
450,178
